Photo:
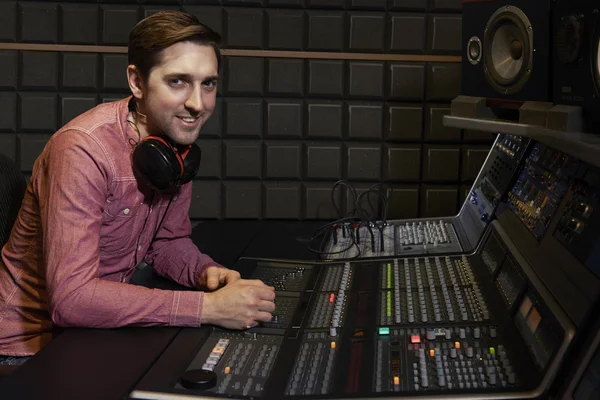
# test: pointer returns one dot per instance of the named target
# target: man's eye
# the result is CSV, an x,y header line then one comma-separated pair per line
x,y
175,81
210,84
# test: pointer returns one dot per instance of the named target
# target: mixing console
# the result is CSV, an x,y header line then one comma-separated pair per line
x,y
422,325
480,305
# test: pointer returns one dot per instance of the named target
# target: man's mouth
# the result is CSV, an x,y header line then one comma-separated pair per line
x,y
189,120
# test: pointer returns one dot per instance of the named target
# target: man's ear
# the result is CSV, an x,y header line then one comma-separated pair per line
x,y
136,82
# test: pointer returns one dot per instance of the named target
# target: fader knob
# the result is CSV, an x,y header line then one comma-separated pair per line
x,y
430,334
469,352
198,379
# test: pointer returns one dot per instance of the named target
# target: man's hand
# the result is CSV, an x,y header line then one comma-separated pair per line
x,y
215,277
240,304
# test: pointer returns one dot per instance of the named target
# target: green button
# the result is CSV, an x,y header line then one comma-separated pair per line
x,y
492,351
384,331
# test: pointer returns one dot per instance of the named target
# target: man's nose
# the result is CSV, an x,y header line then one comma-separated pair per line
x,y
194,101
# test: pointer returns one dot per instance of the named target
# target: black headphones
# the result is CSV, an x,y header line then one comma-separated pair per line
x,y
159,164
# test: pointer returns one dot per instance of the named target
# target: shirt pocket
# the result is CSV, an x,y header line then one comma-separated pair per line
x,y
121,224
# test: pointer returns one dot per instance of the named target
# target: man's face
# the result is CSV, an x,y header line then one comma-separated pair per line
x,y
181,91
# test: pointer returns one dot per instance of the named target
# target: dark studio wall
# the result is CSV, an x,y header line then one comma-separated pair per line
x,y
364,104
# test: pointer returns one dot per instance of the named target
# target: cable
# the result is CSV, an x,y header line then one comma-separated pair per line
x,y
383,200
347,185
354,219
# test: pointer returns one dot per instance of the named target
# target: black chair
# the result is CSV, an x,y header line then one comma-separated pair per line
x,y
12,191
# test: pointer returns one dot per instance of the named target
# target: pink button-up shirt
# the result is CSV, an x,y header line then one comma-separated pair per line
x,y
83,224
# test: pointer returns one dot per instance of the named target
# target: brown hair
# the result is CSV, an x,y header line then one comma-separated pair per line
x,y
164,29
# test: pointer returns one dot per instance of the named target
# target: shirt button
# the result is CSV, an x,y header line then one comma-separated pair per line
x,y
139,247
126,211
174,198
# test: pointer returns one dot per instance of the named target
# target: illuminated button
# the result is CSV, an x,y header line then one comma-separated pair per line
x,y
333,345
492,351
396,380
415,339
227,370
384,331
457,345
432,352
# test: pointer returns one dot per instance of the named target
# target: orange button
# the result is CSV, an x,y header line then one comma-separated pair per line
x,y
396,380
457,345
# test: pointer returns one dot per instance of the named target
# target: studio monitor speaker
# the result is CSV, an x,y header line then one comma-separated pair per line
x,y
506,49
576,58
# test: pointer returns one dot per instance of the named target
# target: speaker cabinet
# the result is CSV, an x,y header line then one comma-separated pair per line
x,y
507,46
576,58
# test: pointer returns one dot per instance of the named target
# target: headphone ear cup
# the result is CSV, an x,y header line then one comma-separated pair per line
x,y
155,163
191,163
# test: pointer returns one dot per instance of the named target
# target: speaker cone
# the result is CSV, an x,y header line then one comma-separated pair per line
x,y
569,37
508,48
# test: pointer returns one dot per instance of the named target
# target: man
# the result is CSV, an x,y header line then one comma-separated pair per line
x,y
87,220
